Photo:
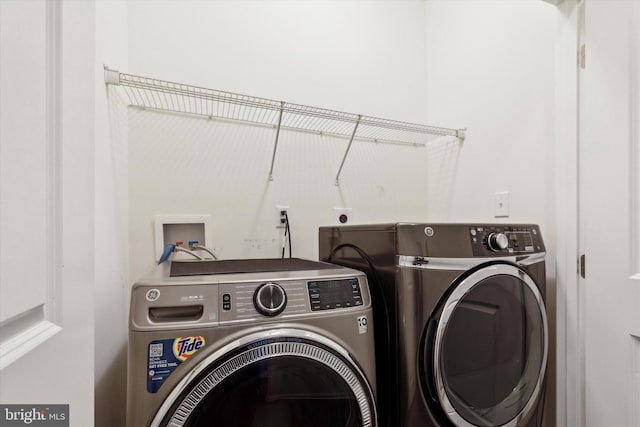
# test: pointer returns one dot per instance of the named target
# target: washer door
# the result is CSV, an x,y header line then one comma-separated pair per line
x,y
282,378
485,350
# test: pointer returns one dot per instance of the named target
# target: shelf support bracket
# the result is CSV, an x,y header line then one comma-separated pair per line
x,y
275,145
111,77
355,129
461,134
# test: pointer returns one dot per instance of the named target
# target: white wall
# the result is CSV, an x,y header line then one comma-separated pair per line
x,y
491,67
362,57
111,218
359,56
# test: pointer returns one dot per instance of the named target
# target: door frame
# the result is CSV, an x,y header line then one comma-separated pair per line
x,y
570,300
571,292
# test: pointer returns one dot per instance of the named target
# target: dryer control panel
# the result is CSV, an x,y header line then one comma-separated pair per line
x,y
491,240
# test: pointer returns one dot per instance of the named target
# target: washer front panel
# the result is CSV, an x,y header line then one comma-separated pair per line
x,y
490,348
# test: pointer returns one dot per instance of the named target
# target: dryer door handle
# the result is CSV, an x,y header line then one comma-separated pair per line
x,y
429,369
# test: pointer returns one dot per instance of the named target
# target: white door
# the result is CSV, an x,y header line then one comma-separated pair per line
x,y
46,208
609,192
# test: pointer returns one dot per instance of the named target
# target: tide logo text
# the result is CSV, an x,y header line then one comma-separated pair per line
x,y
185,347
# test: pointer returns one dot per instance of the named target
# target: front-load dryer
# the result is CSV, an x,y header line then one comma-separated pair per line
x,y
273,343
461,307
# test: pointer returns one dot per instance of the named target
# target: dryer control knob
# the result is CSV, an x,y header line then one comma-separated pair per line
x,y
498,241
270,299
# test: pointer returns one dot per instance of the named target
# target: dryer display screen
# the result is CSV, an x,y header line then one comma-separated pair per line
x,y
330,294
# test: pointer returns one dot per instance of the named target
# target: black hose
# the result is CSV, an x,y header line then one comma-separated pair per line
x,y
287,231
387,328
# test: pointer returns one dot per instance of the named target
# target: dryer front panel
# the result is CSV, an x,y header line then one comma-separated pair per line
x,y
278,378
484,351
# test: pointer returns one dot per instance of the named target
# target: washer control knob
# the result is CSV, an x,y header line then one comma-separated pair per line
x,y
497,241
270,299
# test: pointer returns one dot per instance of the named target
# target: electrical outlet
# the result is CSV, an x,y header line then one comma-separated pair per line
x,y
343,215
501,204
278,217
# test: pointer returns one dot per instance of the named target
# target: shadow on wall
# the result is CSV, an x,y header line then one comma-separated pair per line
x,y
189,165
111,261
110,391
442,164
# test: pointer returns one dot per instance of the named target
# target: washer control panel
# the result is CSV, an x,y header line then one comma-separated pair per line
x,y
487,240
255,301
163,302
262,300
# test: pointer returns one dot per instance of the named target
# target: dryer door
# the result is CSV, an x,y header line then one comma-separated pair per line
x,y
486,351
282,378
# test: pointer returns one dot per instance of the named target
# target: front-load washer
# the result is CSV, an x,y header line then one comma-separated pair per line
x,y
460,319
262,342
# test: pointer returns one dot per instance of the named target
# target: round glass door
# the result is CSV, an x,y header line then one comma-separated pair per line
x,y
490,348
276,382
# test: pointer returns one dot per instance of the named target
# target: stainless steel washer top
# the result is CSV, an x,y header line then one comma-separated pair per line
x,y
286,343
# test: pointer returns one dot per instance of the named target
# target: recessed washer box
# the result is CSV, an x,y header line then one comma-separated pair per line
x,y
181,228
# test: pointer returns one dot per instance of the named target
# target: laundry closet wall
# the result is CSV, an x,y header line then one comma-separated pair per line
x,y
360,57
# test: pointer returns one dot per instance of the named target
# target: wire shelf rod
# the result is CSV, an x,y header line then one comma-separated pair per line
x,y
355,129
374,139
275,145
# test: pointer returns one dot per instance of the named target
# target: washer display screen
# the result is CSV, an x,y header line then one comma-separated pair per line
x,y
330,294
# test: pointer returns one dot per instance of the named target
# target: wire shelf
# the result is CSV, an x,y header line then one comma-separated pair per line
x,y
162,95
